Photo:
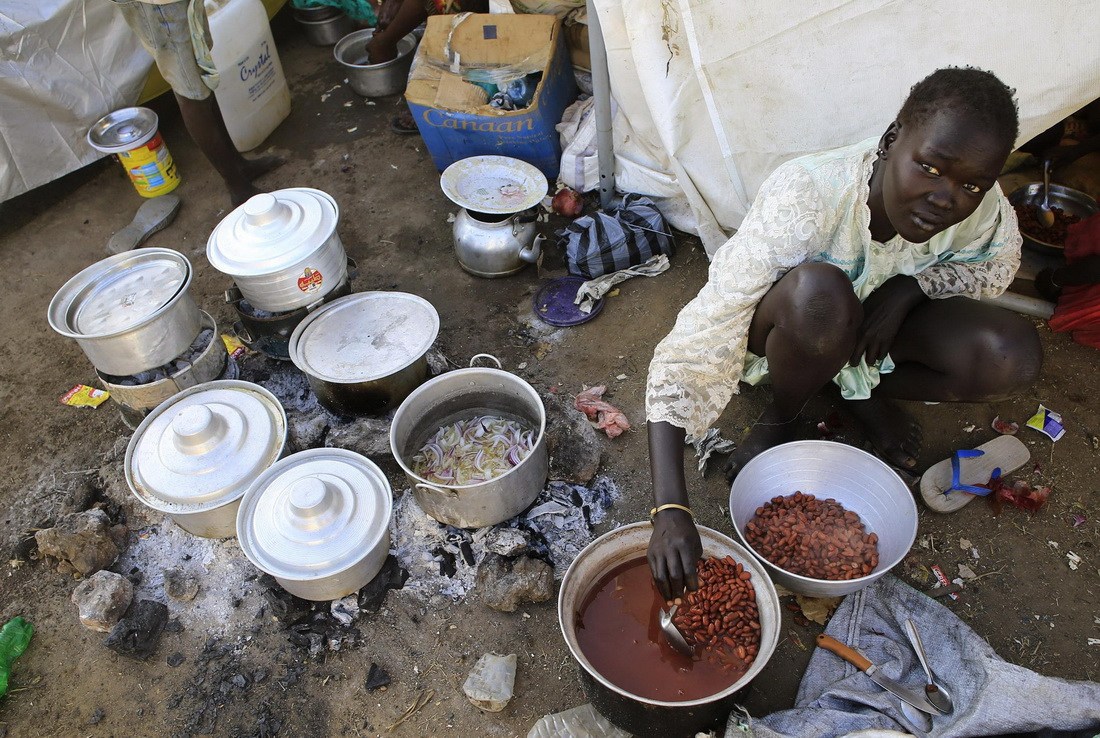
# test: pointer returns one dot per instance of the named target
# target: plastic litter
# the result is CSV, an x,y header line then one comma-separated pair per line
x,y
1047,422
491,682
15,636
84,396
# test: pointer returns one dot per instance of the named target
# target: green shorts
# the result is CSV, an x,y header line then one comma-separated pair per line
x,y
166,33
855,382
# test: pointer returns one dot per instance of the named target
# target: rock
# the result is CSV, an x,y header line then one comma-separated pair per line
x,y
508,541
81,541
138,634
572,443
97,716
306,430
102,600
490,683
505,584
175,659
179,585
377,678
368,436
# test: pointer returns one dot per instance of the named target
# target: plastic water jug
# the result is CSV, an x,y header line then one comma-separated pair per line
x,y
252,92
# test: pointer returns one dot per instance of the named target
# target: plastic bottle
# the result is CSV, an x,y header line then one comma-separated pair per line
x,y
252,92
14,638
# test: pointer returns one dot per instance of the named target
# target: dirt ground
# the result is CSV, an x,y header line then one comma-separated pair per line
x,y
1027,601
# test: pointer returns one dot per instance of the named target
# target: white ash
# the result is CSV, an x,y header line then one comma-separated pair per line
x,y
436,555
226,600
177,365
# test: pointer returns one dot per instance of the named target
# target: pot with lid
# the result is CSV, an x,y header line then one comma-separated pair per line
x,y
495,232
281,248
130,312
194,456
318,521
366,352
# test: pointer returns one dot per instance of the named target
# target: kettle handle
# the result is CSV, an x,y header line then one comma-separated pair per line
x,y
530,254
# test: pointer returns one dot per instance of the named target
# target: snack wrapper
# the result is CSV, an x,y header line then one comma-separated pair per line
x,y
1047,422
233,345
84,396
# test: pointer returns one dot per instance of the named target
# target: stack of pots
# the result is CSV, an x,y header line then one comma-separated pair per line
x,y
323,25
194,456
286,258
132,313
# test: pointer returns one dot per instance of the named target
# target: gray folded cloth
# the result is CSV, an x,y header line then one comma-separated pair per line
x,y
992,697
594,289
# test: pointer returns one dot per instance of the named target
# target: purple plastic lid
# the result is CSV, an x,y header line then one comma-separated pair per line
x,y
554,302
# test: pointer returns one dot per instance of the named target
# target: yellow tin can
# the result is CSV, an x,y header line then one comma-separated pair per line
x,y
131,135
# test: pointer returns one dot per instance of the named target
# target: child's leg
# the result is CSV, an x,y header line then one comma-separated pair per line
x,y
806,326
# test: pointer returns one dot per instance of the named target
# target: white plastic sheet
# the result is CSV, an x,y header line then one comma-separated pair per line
x,y
714,94
63,65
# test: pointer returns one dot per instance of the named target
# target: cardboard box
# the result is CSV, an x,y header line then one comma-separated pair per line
x,y
453,126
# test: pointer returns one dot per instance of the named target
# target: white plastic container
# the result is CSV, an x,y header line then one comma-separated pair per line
x,y
252,92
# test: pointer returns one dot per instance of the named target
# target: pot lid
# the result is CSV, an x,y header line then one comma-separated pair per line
x,y
493,184
363,337
272,231
204,446
314,514
554,302
123,130
119,292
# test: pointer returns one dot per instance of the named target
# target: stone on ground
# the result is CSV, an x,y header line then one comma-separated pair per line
x,y
572,443
102,600
508,541
82,542
179,585
504,584
138,634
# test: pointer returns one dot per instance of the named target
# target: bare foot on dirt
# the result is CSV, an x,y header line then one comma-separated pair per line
x,y
893,432
256,168
769,430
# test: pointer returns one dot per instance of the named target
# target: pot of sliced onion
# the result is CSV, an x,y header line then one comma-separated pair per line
x,y
472,443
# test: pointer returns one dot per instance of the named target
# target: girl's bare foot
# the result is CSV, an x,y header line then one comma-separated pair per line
x,y
770,429
892,431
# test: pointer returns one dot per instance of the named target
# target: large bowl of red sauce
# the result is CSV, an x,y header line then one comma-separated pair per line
x,y
608,610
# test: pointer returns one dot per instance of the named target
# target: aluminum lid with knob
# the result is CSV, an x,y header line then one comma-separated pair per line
x,y
198,451
364,337
272,231
318,521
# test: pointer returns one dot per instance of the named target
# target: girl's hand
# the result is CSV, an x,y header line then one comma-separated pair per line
x,y
884,311
674,550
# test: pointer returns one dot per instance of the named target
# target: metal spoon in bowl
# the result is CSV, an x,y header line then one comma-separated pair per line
x,y
673,634
1043,213
935,691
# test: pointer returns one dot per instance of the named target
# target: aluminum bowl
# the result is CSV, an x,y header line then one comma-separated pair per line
x,y
323,25
640,715
374,80
857,480
1070,200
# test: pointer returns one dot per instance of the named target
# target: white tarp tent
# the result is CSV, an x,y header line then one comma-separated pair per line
x,y
63,65
712,95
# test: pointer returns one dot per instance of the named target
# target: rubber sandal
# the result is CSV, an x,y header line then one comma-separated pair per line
x,y
154,214
950,484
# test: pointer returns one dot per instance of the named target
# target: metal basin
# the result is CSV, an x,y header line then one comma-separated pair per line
x,y
1070,200
374,80
462,394
323,25
642,716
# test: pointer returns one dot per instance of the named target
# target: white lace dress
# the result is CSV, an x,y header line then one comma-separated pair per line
x,y
813,209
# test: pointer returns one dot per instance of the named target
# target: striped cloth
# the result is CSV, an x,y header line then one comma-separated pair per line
x,y
609,241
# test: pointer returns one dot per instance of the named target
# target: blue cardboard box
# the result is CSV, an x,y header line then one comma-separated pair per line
x,y
480,46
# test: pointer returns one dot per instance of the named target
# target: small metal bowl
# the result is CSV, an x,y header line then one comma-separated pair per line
x,y
1069,200
374,80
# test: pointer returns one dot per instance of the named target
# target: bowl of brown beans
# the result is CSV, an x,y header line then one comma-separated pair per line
x,y
824,518
608,608
1068,205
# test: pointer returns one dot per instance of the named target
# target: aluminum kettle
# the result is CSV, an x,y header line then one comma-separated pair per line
x,y
496,249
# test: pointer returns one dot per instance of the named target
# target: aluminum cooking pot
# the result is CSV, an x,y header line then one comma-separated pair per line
x,y
281,248
130,312
374,80
366,352
464,393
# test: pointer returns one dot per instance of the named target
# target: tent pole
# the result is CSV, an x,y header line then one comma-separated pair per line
x,y
601,92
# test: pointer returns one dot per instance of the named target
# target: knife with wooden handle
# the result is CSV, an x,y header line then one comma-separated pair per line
x,y
858,660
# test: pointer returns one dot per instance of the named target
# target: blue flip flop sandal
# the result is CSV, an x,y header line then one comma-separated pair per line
x,y
952,483
154,214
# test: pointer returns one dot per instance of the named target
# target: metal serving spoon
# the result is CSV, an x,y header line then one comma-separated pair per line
x,y
1043,212
673,634
935,691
